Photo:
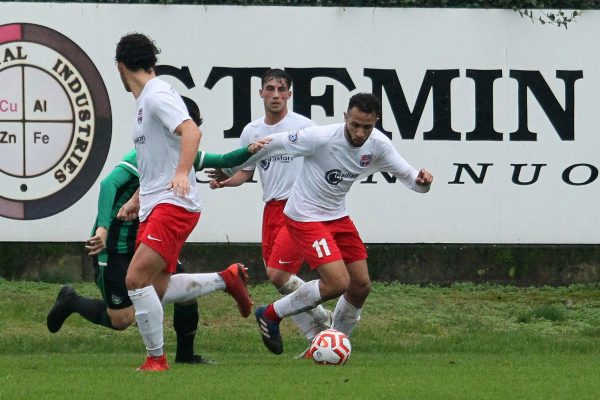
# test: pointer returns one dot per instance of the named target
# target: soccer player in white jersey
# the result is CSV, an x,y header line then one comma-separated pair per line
x,y
335,156
166,141
281,256
112,246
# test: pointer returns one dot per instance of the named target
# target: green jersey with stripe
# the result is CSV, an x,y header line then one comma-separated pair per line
x,y
115,190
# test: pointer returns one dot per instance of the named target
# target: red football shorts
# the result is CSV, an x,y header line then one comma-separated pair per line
x,y
278,248
327,241
165,231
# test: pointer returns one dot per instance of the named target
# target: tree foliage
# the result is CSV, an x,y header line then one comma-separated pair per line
x,y
551,12
505,4
558,17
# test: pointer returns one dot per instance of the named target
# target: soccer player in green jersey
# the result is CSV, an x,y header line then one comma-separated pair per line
x,y
112,245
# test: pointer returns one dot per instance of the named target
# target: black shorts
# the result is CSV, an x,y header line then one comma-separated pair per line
x,y
180,269
110,279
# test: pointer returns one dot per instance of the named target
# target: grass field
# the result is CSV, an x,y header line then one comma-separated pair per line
x,y
461,342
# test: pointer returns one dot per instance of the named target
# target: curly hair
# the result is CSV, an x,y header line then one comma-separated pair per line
x,y
365,102
137,51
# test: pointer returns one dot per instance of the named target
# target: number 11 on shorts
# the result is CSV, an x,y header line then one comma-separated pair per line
x,y
321,246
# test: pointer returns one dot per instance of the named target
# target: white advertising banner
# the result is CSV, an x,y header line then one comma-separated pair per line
x,y
504,112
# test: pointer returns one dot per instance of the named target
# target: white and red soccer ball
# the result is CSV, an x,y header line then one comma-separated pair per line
x,y
330,347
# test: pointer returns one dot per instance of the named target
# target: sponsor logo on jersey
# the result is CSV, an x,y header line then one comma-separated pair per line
x,y
140,139
265,164
335,176
365,159
293,136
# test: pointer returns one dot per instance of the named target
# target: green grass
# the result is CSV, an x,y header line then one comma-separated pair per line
x,y
461,342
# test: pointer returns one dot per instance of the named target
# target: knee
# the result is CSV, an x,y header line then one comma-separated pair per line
x,y
134,281
334,287
343,284
365,288
360,288
277,277
122,320
120,324
131,282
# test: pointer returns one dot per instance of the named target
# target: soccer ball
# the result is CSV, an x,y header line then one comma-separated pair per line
x,y
330,347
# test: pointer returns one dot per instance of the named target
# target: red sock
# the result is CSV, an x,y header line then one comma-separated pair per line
x,y
271,314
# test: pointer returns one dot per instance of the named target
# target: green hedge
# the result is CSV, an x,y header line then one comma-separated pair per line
x,y
508,4
520,265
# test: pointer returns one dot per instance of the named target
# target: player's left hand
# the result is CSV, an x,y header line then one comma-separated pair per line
x,y
424,178
215,184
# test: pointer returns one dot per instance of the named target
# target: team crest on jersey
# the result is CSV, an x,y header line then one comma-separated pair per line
x,y
116,299
365,159
264,164
293,136
140,115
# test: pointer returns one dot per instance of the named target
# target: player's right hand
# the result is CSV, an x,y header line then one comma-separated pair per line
x,y
258,145
216,174
128,212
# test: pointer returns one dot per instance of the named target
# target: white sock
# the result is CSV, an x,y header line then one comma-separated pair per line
x,y
345,316
304,298
303,321
309,322
149,317
185,287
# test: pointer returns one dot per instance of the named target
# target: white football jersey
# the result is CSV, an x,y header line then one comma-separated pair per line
x,y
331,166
277,173
160,110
